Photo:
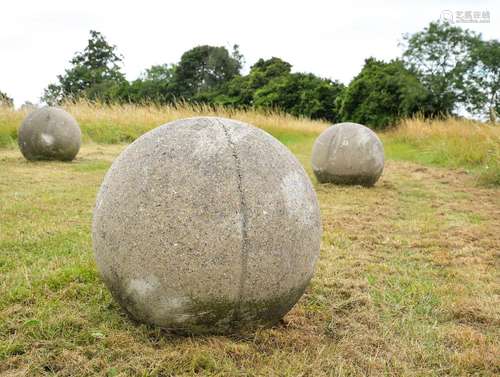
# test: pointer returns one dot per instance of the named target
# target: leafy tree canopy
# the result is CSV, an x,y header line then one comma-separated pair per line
x,y
301,94
5,100
204,69
440,54
482,79
94,72
381,94
443,69
240,90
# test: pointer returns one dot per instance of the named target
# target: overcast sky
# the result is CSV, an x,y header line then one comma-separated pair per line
x,y
328,38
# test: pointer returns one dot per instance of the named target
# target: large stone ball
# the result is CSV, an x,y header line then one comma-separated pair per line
x,y
49,133
206,225
348,153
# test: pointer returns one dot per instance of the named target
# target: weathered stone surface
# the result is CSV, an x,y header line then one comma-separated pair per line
x,y
49,133
348,153
206,225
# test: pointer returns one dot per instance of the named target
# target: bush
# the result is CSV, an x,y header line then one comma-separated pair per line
x,y
381,94
301,94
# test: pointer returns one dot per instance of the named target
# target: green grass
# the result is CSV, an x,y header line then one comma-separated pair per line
x,y
407,282
451,143
487,171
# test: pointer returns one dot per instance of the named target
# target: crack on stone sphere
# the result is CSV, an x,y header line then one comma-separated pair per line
x,y
243,216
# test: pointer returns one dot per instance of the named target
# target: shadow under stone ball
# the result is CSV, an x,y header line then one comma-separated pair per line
x,y
206,225
49,133
348,153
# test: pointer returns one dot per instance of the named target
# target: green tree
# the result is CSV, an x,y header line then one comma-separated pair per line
x,y
300,94
440,56
155,85
204,69
482,79
266,70
95,73
381,94
5,100
240,90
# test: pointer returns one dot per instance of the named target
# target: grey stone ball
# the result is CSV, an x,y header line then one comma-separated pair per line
x,y
348,153
206,225
49,133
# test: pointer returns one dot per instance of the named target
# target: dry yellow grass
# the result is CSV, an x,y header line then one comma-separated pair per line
x,y
9,122
472,140
457,143
111,124
146,117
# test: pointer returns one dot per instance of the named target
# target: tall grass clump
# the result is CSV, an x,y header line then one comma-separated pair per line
x,y
123,123
9,122
451,143
118,123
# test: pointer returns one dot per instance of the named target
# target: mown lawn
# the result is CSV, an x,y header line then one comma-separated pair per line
x,y
408,283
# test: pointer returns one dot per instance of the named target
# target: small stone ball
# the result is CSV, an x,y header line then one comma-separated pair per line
x,y
348,153
206,225
49,133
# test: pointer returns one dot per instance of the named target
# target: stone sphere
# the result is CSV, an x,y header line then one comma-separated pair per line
x,y
348,153
49,133
206,225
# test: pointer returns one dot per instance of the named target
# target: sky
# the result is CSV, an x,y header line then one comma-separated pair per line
x,y
328,38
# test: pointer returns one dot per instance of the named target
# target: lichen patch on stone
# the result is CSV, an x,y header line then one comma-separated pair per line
x,y
294,191
143,287
47,139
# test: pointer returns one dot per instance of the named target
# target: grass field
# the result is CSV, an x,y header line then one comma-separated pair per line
x,y
452,143
468,145
408,282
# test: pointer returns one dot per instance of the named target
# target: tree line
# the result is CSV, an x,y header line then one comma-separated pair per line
x,y
442,69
